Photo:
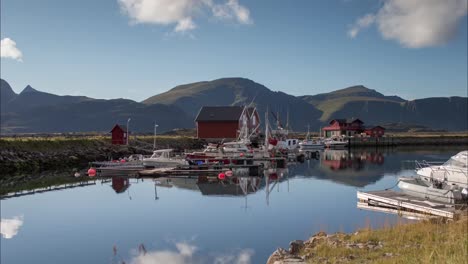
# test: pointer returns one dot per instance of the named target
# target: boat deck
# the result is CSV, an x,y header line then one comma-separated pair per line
x,y
405,202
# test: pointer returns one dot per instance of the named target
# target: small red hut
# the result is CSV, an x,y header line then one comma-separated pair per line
x,y
119,135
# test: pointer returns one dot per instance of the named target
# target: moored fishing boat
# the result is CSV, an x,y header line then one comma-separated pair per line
x,y
164,158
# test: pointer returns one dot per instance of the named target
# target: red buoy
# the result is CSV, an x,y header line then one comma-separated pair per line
x,y
221,176
241,154
229,173
92,172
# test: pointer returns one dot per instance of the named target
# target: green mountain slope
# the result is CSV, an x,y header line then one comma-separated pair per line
x,y
352,101
239,91
375,108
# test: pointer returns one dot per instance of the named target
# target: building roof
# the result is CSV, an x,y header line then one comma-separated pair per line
x,y
352,120
123,127
341,121
220,113
347,120
375,127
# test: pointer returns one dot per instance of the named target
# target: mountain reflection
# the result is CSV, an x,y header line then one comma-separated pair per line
x,y
353,168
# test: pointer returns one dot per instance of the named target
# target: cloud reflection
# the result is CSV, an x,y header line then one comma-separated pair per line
x,y
185,254
9,227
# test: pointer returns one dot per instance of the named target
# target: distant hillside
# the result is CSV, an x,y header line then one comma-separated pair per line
x,y
375,108
35,111
239,91
6,94
354,101
31,98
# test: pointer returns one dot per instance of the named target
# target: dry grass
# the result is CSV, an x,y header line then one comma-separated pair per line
x,y
422,242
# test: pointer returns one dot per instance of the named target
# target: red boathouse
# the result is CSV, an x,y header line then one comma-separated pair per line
x,y
119,135
225,122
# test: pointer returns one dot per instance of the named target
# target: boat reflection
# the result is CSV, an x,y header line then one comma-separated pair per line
x,y
353,168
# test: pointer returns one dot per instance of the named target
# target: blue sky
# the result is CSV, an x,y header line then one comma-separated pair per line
x,y
111,49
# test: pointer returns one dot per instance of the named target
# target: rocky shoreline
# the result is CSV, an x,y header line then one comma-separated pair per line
x,y
429,241
303,251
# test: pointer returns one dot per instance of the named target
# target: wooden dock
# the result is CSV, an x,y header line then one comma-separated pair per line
x,y
403,202
238,170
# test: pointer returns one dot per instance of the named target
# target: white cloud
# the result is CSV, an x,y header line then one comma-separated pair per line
x,y
231,9
9,50
9,227
181,13
243,257
361,23
185,254
415,23
185,25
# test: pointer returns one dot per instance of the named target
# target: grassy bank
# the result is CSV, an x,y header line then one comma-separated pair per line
x,y
432,241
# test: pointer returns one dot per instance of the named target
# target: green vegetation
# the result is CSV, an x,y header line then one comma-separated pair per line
x,y
422,242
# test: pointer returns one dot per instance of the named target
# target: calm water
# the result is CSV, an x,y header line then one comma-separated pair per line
x,y
191,221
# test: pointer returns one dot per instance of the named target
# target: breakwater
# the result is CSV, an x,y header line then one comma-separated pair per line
x,y
40,154
458,140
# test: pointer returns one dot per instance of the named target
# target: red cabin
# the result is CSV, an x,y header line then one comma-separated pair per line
x,y
119,135
376,131
225,122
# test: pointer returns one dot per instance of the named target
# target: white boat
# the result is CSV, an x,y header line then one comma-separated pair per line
x,y
453,172
336,142
445,193
164,158
309,145
236,147
447,182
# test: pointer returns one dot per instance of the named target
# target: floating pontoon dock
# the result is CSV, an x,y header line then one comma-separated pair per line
x,y
403,202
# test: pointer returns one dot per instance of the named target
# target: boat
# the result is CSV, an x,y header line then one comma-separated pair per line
x,y
309,145
447,182
335,142
164,158
453,172
446,193
218,152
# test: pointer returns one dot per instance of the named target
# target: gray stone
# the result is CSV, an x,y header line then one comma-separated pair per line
x,y
296,246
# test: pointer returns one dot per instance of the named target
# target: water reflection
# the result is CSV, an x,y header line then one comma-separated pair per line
x,y
184,253
9,227
354,168
287,204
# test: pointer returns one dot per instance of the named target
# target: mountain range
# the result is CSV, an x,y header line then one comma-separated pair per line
x,y
39,112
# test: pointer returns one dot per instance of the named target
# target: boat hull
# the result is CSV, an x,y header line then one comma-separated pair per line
x,y
419,188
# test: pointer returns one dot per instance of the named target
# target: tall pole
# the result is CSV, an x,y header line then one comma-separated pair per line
x,y
154,141
128,123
